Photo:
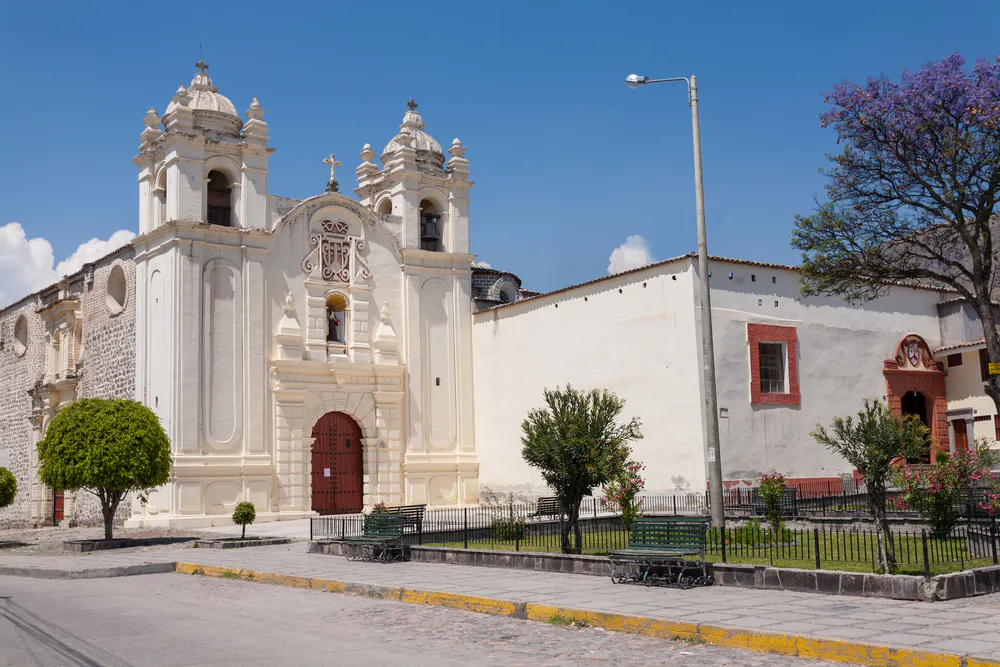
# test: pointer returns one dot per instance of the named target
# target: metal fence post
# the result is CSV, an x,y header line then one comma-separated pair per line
x,y
465,523
993,538
722,540
927,565
310,530
674,498
343,525
816,545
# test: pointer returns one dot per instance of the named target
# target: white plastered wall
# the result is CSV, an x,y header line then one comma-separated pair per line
x,y
633,334
964,386
841,350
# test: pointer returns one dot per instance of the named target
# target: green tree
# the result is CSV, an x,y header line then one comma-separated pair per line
x,y
872,444
577,444
913,194
8,487
244,515
107,447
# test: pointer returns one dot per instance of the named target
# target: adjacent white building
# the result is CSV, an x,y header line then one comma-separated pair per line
x,y
784,364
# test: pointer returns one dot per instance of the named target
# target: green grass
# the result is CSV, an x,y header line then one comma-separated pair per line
x,y
846,551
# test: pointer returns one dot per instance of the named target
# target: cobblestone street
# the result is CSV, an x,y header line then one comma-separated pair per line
x,y
142,620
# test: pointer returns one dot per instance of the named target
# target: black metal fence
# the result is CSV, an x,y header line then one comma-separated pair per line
x,y
520,527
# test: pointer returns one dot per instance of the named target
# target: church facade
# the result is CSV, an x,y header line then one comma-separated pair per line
x,y
309,356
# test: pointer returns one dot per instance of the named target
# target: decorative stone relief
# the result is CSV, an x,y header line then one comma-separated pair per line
x,y
334,252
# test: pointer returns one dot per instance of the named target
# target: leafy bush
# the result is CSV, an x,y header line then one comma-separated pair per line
x,y
8,487
577,443
936,491
621,493
244,515
872,444
108,447
510,528
380,508
507,520
772,487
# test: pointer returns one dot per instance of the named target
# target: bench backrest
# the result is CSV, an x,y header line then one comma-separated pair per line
x,y
668,532
384,525
413,515
548,507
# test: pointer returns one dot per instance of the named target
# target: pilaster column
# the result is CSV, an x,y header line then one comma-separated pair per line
x,y
292,452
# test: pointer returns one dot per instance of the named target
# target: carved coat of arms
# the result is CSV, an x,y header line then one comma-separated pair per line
x,y
335,252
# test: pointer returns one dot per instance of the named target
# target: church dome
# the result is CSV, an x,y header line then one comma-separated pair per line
x,y
412,129
212,111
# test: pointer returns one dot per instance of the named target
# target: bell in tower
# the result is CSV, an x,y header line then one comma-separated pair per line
x,y
430,232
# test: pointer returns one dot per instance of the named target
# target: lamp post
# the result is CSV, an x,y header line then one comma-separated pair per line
x,y
711,407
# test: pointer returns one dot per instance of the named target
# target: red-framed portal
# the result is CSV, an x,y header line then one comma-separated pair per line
x,y
770,333
337,471
912,373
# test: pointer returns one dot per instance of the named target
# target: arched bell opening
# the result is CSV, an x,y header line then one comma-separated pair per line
x,y
220,199
431,227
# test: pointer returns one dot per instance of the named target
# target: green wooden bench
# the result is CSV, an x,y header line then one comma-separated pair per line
x,y
548,507
380,540
413,516
664,550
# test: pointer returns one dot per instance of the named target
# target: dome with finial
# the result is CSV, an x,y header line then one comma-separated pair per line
x,y
411,133
212,111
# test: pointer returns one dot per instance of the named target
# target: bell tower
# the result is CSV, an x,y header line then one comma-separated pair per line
x,y
427,197
425,203
201,163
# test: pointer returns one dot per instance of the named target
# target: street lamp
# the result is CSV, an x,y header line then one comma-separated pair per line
x,y
707,347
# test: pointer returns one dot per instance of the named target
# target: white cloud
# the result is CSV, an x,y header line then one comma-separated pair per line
x,y
92,250
484,265
27,265
630,255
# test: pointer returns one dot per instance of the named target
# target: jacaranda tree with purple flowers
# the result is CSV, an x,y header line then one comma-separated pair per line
x,y
911,197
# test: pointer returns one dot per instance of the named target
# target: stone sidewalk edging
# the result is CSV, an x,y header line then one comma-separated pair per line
x,y
952,586
833,650
968,583
89,573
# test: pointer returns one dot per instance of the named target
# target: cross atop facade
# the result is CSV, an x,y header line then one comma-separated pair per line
x,y
201,61
334,163
412,105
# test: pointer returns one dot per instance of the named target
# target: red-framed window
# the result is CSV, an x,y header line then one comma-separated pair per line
x,y
774,368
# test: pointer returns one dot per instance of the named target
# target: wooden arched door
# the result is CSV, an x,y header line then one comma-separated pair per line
x,y
337,482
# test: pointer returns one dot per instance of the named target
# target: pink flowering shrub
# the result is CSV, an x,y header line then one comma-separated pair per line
x,y
380,508
621,493
935,491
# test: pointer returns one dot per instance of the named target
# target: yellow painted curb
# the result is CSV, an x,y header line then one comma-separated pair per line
x,y
832,650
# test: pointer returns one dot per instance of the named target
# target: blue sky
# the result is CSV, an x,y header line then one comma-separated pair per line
x,y
567,161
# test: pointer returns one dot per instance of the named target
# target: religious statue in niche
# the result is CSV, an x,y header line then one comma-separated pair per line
x,y
335,332
913,352
334,251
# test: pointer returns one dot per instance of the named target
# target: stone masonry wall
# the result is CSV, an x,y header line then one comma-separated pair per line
x,y
108,357
107,365
18,374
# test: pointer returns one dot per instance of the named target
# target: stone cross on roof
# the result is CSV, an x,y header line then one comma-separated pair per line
x,y
412,105
334,163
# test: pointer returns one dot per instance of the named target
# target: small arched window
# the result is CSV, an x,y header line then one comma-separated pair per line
x,y
336,319
21,336
385,207
220,206
430,227
117,290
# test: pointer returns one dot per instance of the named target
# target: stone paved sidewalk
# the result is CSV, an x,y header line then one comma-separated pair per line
x,y
968,626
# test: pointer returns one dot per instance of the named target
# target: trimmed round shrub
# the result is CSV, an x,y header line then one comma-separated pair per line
x,y
244,515
8,487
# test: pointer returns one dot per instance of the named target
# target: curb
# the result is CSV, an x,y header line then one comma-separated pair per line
x,y
91,573
832,650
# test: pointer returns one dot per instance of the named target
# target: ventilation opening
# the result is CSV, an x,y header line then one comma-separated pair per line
x,y
117,291
21,336
437,382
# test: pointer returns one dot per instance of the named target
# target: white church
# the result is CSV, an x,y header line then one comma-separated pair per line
x,y
319,356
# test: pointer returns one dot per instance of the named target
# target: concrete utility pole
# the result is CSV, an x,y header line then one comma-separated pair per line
x,y
713,453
